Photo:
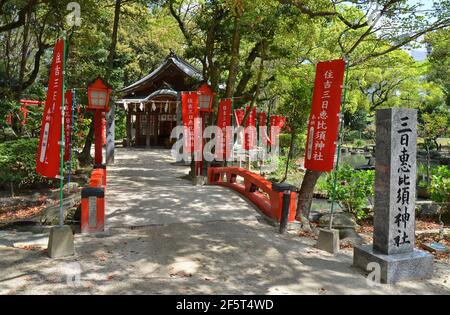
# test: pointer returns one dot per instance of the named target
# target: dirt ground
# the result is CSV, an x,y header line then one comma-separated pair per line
x,y
165,236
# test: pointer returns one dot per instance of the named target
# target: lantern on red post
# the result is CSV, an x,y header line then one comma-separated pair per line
x,y
205,98
98,101
205,101
98,95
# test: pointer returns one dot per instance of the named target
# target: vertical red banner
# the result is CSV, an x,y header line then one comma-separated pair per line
x,y
24,111
67,123
324,117
189,109
48,157
262,119
224,121
250,134
281,121
239,116
273,122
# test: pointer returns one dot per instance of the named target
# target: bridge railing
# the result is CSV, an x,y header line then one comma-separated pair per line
x,y
93,201
255,188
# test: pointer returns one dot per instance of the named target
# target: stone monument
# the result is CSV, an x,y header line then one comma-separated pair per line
x,y
395,196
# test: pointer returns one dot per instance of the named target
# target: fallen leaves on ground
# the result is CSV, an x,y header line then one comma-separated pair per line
x,y
30,247
180,273
433,238
345,245
426,224
20,213
364,229
422,224
306,234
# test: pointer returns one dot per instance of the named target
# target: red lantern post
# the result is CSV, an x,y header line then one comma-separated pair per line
x,y
205,101
98,102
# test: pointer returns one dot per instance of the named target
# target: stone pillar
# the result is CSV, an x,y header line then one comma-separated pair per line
x,y
395,198
395,181
110,134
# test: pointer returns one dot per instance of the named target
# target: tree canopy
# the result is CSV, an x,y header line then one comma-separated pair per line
x,y
263,52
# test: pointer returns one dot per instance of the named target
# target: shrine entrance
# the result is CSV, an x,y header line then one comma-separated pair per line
x,y
153,104
152,125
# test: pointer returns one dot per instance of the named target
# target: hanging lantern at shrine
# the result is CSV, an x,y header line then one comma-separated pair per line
x,y
205,97
98,95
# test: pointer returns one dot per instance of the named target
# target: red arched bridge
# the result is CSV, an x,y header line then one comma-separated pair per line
x,y
267,196
276,201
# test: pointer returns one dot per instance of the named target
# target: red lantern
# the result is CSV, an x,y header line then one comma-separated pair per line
x,y
98,95
205,97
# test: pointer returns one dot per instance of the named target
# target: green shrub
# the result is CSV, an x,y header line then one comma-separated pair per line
x,y
353,189
435,170
18,163
440,184
351,135
322,184
421,170
299,143
281,165
358,143
285,141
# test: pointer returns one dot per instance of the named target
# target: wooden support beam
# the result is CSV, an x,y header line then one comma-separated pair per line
x,y
128,126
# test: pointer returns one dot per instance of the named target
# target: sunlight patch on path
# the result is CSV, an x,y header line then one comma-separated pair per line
x,y
145,188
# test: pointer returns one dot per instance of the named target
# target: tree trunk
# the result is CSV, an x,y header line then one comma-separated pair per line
x,y
247,70
85,155
11,186
8,58
211,71
291,147
306,193
258,85
17,126
256,96
428,166
23,60
233,68
111,126
112,48
438,147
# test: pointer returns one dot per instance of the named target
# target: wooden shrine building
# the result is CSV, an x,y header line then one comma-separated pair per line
x,y
153,104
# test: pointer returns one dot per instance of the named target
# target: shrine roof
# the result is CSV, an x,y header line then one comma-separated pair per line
x,y
171,60
141,99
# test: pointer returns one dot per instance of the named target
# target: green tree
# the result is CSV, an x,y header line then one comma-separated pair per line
x,y
362,36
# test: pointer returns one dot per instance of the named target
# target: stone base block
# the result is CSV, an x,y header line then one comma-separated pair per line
x,y
415,265
60,242
328,240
